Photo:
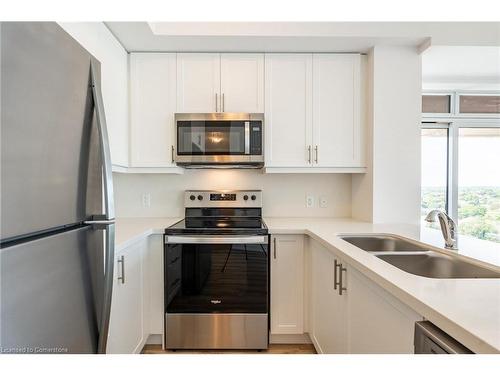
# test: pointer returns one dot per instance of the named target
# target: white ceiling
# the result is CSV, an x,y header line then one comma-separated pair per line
x,y
461,64
297,36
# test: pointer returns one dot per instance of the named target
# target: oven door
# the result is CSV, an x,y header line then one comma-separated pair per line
x,y
216,275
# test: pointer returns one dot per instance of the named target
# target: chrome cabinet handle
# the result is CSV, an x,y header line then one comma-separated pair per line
x,y
341,279
316,150
274,250
309,154
172,153
223,102
216,103
121,261
335,283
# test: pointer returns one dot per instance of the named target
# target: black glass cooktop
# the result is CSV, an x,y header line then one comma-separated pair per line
x,y
219,225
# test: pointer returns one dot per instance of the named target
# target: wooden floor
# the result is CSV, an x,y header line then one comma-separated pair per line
x,y
273,349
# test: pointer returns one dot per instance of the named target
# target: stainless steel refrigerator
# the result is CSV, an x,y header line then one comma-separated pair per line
x,y
57,213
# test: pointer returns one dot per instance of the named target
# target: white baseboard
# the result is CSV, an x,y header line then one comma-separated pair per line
x,y
154,339
290,339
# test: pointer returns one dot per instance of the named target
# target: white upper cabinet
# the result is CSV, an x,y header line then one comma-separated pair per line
x,y
314,113
198,82
242,82
152,107
212,82
288,95
336,110
287,284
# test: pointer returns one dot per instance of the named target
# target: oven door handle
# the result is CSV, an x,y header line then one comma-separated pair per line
x,y
216,239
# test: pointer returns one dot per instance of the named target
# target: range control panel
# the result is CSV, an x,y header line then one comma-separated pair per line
x,y
223,198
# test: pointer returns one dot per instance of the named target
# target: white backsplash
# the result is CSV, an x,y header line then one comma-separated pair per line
x,y
284,194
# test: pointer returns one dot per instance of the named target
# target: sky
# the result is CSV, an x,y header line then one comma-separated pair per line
x,y
479,161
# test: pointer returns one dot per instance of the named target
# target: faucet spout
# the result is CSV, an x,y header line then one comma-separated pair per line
x,y
448,228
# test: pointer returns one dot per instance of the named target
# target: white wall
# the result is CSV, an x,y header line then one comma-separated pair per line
x,y
390,191
98,40
284,194
362,184
397,81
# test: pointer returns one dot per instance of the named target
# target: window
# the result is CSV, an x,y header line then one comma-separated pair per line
x,y
479,182
434,171
436,103
461,165
479,104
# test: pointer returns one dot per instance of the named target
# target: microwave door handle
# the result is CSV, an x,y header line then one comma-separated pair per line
x,y
247,137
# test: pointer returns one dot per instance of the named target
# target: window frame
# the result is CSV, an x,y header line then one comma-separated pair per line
x,y
443,125
453,122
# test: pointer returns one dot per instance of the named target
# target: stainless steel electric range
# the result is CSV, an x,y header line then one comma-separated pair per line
x,y
217,273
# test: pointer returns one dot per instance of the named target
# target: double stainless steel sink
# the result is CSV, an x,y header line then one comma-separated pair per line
x,y
418,258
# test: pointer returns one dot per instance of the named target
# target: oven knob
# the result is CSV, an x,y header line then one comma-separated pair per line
x,y
200,197
245,197
254,197
192,197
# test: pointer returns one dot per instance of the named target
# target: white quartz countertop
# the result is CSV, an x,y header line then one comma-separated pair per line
x,y
467,309
130,230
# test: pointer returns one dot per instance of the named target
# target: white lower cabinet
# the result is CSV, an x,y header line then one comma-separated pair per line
x,y
365,319
137,301
126,329
378,323
154,285
287,284
328,312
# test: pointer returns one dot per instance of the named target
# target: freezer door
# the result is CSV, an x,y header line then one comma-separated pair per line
x,y
52,293
47,125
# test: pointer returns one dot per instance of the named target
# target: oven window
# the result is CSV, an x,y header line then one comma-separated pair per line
x,y
216,278
211,137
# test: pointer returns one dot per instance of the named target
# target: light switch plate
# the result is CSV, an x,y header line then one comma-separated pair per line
x,y
323,202
309,201
146,200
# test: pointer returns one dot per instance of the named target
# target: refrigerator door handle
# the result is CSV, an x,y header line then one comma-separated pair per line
x,y
106,222
104,141
108,287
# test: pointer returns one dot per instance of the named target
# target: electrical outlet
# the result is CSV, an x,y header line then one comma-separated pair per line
x,y
309,201
323,202
146,200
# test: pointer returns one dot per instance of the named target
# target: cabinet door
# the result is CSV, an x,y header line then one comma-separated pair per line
x,y
152,107
198,82
336,110
378,322
288,102
126,321
154,277
287,285
242,82
329,309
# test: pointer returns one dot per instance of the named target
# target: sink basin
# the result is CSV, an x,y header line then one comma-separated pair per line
x,y
383,243
418,258
436,265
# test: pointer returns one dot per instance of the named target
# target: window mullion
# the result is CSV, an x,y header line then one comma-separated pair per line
x,y
453,172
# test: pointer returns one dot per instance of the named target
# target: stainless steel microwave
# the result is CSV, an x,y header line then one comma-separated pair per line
x,y
219,140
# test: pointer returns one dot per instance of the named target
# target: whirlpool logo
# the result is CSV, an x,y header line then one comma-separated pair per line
x,y
215,301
